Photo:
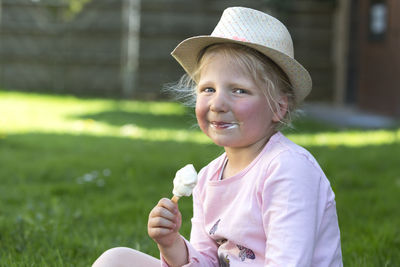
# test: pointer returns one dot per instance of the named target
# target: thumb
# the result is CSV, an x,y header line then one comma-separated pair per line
x,y
178,221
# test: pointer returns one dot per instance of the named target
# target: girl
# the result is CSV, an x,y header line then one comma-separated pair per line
x,y
265,201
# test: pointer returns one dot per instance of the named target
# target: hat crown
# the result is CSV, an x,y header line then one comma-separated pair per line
x,y
249,25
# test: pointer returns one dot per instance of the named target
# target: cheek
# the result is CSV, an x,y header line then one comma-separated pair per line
x,y
201,112
254,112
247,110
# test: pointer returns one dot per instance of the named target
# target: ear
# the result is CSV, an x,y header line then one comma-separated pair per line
x,y
282,109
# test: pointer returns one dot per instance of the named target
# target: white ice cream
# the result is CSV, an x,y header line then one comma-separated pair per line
x,y
184,181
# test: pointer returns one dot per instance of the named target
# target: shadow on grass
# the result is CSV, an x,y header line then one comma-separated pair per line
x,y
306,125
144,120
85,194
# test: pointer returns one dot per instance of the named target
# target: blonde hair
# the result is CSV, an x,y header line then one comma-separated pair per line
x,y
268,76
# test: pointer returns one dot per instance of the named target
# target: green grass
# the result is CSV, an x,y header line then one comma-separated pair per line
x,y
79,176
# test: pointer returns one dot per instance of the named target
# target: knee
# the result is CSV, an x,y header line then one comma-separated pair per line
x,y
114,257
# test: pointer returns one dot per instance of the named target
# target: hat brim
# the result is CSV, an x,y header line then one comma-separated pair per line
x,y
186,53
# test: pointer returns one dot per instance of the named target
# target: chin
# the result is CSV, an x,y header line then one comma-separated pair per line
x,y
223,143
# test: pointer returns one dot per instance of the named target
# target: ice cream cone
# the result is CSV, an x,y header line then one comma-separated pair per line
x,y
175,199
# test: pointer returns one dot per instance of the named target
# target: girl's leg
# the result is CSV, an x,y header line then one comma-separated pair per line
x,y
125,257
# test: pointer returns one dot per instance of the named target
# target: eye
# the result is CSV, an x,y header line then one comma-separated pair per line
x,y
240,91
207,90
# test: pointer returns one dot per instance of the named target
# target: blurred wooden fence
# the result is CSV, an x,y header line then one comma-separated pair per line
x,y
122,47
41,49
311,24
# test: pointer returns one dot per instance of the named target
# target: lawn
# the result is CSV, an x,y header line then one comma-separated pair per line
x,y
80,175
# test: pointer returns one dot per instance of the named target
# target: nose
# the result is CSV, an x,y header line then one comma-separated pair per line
x,y
219,102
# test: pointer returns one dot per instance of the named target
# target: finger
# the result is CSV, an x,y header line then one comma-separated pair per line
x,y
158,222
168,204
159,232
179,220
163,213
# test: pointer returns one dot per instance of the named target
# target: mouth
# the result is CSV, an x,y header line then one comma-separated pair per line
x,y
220,125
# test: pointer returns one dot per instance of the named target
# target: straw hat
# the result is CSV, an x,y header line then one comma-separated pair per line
x,y
254,29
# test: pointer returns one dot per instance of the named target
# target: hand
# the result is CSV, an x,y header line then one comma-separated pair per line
x,y
164,223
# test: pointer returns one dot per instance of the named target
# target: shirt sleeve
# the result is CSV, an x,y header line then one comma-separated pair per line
x,y
202,250
291,210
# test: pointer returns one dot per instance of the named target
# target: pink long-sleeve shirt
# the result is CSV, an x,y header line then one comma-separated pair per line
x,y
279,211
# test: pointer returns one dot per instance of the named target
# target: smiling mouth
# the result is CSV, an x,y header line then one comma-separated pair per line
x,y
223,125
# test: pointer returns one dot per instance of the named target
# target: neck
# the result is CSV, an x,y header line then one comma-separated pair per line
x,y
240,157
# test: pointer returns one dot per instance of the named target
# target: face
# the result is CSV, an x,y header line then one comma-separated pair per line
x,y
230,107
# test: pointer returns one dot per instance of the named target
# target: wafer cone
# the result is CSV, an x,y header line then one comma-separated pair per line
x,y
175,199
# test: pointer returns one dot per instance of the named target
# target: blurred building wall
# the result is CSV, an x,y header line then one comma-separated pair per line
x,y
377,56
